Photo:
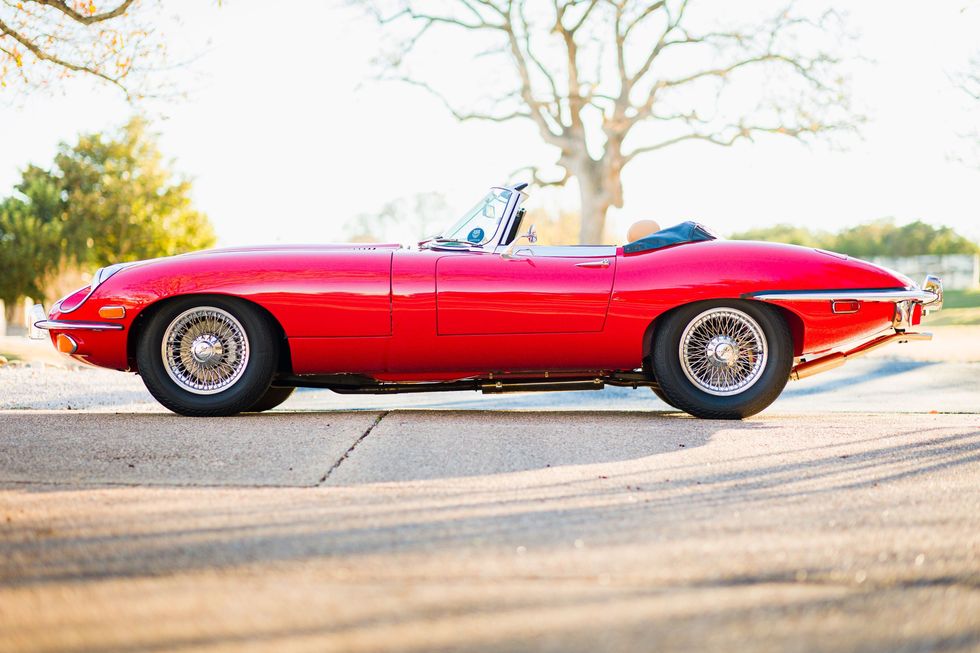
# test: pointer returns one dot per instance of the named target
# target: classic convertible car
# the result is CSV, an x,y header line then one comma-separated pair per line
x,y
714,327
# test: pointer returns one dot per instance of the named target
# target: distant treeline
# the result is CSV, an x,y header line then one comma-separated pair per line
x,y
878,238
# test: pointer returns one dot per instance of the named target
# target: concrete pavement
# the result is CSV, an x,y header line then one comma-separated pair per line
x,y
529,530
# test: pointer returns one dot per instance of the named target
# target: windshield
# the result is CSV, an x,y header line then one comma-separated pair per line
x,y
480,223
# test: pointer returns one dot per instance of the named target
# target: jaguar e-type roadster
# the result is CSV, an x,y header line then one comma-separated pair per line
x,y
714,327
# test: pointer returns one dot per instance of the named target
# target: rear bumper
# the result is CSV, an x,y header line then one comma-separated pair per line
x,y
930,295
910,304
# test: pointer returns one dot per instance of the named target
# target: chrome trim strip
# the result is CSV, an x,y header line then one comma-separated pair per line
x,y
567,251
78,305
101,276
66,325
882,295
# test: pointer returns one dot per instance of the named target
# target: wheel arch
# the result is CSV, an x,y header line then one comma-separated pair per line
x,y
795,323
284,365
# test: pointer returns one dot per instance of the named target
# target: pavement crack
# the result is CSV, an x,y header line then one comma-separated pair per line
x,y
381,416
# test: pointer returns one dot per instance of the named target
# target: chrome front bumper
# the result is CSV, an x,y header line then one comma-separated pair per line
x,y
40,324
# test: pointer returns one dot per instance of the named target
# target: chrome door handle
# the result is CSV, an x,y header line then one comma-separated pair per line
x,y
604,263
520,255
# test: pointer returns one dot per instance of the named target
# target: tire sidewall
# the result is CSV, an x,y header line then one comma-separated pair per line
x,y
245,392
688,397
273,397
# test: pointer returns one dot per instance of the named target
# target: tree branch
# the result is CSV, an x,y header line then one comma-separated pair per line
x,y
741,131
84,19
540,182
41,55
460,115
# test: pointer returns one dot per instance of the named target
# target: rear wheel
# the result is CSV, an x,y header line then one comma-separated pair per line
x,y
274,396
208,356
725,359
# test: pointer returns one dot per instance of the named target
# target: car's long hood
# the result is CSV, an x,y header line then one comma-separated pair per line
x,y
292,249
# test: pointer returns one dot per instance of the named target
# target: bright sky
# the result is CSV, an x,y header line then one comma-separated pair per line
x,y
287,137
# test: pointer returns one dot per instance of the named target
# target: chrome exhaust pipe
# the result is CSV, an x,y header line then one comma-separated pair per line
x,y
836,359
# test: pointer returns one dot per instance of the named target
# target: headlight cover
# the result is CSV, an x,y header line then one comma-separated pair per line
x,y
102,274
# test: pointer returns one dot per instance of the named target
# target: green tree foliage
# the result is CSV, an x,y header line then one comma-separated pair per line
x,y
123,201
877,238
788,233
30,248
107,199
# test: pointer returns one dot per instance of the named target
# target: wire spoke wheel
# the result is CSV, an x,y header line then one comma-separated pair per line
x,y
723,351
205,350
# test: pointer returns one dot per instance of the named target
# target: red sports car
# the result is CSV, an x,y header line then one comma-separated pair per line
x,y
714,327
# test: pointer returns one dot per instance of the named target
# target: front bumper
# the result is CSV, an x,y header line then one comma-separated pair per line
x,y
40,325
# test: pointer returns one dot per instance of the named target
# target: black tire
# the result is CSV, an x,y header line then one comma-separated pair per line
x,y
661,396
274,396
767,380
244,388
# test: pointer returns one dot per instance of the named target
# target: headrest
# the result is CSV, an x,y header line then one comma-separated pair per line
x,y
641,229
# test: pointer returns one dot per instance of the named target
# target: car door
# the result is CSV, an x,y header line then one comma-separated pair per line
x,y
538,290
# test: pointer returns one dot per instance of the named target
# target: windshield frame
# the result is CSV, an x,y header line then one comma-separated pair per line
x,y
488,244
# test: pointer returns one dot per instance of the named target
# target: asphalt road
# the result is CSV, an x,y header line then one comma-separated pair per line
x,y
420,530
864,385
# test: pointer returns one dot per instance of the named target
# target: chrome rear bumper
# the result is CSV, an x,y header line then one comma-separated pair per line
x,y
930,295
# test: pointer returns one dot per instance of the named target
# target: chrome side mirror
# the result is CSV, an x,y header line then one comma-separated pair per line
x,y
531,236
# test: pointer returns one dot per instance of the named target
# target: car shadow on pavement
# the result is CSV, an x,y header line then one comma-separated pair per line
x,y
337,447
71,535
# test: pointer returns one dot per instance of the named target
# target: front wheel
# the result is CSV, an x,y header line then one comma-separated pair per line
x,y
274,396
207,356
725,359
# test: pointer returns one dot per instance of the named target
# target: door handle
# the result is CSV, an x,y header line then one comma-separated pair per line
x,y
604,263
520,255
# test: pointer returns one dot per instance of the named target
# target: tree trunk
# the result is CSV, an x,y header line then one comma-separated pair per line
x,y
594,206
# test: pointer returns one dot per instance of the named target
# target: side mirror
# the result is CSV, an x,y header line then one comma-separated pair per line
x,y
531,236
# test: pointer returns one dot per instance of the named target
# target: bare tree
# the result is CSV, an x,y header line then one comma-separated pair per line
x,y
44,41
607,81
406,220
969,81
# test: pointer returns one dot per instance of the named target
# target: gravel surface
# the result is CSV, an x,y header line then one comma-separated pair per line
x,y
47,388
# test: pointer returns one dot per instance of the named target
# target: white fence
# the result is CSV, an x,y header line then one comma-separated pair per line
x,y
958,271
